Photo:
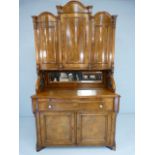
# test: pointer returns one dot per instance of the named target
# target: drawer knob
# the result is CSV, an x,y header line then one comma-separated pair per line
x,y
50,106
101,106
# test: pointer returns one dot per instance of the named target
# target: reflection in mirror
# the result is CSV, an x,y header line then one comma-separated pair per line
x,y
74,76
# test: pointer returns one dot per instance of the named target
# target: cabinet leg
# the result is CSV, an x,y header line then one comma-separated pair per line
x,y
113,147
38,148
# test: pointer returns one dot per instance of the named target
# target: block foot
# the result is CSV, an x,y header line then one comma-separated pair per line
x,y
113,147
38,148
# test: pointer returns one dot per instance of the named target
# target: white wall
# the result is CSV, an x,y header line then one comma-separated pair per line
x,y
124,50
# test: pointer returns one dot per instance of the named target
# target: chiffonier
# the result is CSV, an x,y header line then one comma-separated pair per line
x,y
75,103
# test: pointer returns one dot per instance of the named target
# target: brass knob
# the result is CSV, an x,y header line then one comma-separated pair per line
x,y
101,106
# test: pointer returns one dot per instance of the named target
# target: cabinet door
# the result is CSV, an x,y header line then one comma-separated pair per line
x,y
57,128
46,40
102,51
94,128
75,40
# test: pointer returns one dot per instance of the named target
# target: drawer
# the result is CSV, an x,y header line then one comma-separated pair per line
x,y
76,105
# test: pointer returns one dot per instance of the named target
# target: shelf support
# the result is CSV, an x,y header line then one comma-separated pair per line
x,y
40,83
110,80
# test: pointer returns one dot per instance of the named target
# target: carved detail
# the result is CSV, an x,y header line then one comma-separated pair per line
x,y
38,80
110,80
40,83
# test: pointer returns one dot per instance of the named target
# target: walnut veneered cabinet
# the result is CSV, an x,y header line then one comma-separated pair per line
x,y
75,103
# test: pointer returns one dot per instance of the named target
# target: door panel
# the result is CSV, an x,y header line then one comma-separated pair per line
x,y
46,36
57,128
100,54
93,128
75,43
102,40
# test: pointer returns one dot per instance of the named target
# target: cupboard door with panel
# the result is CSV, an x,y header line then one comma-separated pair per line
x,y
102,41
94,128
75,40
46,40
57,128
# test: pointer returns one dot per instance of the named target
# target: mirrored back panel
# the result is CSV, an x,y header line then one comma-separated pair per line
x,y
75,76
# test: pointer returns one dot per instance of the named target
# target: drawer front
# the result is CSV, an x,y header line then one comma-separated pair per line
x,y
106,104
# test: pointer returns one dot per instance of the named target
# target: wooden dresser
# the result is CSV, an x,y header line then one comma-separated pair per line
x,y
75,103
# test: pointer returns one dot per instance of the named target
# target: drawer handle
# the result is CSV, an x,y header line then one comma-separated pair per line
x,y
49,106
101,106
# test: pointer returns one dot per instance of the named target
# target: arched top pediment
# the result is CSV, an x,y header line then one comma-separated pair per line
x,y
45,16
74,7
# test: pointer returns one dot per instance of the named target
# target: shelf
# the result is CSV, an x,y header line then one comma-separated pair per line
x,y
75,93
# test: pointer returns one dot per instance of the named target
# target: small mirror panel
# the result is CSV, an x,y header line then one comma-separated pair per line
x,y
76,76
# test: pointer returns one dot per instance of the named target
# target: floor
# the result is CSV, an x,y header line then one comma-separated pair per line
x,y
124,139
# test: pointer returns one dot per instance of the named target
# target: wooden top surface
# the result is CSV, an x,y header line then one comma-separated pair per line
x,y
75,93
